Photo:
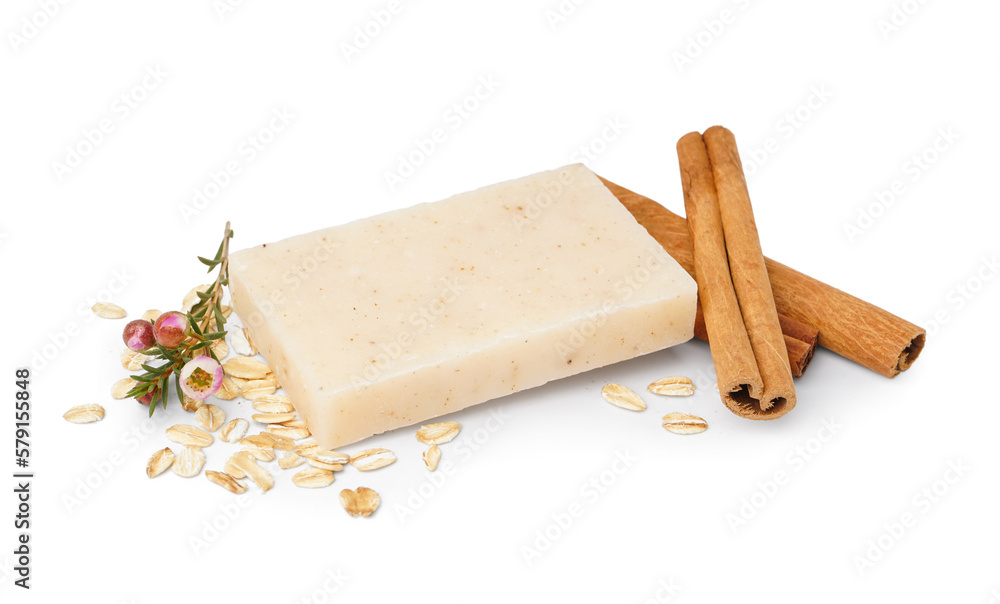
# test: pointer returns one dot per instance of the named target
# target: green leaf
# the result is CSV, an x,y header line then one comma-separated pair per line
x,y
209,263
165,391
137,391
220,320
170,355
194,325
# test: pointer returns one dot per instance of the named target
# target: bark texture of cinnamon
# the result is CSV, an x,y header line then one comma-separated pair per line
x,y
800,340
849,326
748,348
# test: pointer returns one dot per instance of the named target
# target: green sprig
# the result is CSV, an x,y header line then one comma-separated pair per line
x,y
206,325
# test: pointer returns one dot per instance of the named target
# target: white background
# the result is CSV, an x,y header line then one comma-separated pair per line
x,y
697,513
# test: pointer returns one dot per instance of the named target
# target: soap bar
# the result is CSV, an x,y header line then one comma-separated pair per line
x,y
402,317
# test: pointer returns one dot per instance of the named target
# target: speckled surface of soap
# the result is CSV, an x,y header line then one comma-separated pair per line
x,y
402,317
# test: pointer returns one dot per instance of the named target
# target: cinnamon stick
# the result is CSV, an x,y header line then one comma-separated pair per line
x,y
848,326
798,330
748,348
800,340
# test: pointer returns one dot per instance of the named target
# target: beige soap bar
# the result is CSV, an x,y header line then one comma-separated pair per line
x,y
399,318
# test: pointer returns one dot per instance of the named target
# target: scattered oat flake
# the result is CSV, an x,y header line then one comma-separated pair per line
x,y
333,467
327,456
290,459
246,368
439,433
313,478
226,481
295,423
272,418
107,310
307,447
281,443
275,403
261,477
683,423
250,339
431,457
324,455
151,315
232,470
84,414
191,298
240,342
159,462
189,404
234,430
672,386
258,452
189,435
362,502
292,433
263,440
256,389
221,349
133,359
623,397
229,389
119,389
189,462
373,459
210,417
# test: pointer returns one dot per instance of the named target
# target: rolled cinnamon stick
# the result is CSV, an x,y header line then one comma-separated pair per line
x,y
746,265
800,340
849,326
748,348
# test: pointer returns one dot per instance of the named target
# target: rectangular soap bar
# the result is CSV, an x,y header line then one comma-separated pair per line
x,y
399,318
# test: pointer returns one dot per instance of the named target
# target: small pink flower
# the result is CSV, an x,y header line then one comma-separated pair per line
x,y
201,377
138,334
170,329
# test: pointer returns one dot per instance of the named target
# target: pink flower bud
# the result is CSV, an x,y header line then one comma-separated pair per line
x,y
201,377
170,329
138,334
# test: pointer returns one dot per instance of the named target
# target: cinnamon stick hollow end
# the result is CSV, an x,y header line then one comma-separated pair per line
x,y
911,352
739,399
